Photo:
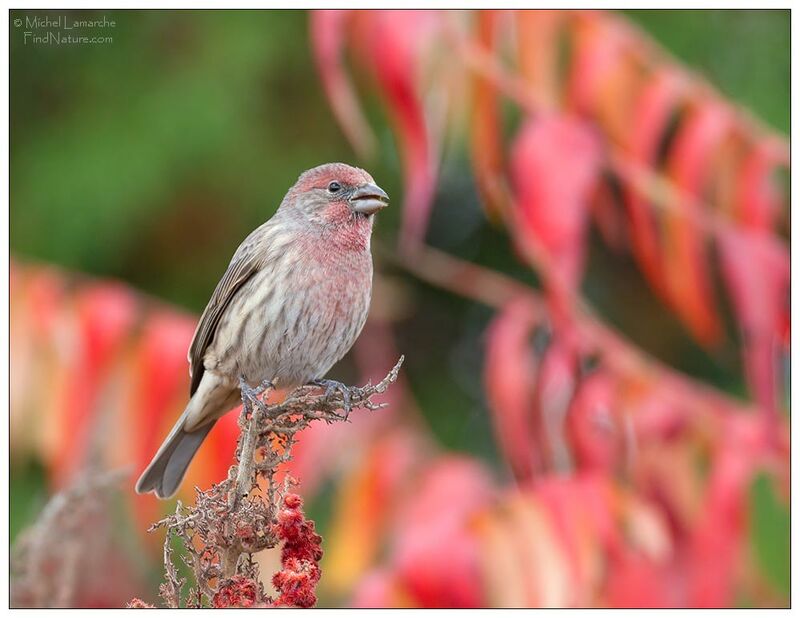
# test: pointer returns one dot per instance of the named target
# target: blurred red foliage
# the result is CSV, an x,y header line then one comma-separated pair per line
x,y
696,180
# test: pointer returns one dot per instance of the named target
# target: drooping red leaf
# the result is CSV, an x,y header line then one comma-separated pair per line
x,y
160,385
685,259
603,74
758,200
486,140
555,162
755,267
555,387
636,582
592,57
393,43
537,42
327,33
509,374
595,433
379,589
104,314
648,124
717,540
436,555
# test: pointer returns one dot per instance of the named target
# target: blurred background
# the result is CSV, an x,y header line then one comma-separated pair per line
x,y
139,164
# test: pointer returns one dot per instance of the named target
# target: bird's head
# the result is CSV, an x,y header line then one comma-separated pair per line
x,y
336,194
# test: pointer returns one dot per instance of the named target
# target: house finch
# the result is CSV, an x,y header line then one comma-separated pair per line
x,y
291,304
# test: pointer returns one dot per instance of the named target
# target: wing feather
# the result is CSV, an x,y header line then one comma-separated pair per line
x,y
243,266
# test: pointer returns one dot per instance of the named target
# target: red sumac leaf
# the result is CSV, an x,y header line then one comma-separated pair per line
x,y
486,140
637,582
648,124
510,374
537,41
436,553
378,588
328,30
555,162
555,387
104,313
758,200
394,43
717,540
596,436
604,74
685,259
755,267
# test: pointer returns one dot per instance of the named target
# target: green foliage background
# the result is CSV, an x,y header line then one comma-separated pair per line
x,y
148,159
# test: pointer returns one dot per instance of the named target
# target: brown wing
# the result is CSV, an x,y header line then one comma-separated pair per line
x,y
241,268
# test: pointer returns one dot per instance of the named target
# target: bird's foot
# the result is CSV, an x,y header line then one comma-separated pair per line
x,y
249,392
331,386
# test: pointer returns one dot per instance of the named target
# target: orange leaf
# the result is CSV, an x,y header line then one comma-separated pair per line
x,y
685,262
604,74
537,40
648,124
363,507
486,139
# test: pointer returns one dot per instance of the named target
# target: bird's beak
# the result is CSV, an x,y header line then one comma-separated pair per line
x,y
368,199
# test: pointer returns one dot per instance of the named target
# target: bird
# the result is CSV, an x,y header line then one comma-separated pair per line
x,y
291,303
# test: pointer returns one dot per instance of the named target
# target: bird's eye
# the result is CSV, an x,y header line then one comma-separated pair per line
x,y
334,187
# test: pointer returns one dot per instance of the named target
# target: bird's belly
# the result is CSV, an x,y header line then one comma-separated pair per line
x,y
297,339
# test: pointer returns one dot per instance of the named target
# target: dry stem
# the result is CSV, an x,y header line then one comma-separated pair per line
x,y
236,518
67,539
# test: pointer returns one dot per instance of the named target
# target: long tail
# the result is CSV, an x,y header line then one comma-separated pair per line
x,y
166,471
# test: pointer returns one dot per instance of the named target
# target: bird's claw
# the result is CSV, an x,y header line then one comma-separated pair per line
x,y
250,392
331,386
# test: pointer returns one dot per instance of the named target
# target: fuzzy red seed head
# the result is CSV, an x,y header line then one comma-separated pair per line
x,y
238,591
137,603
289,522
300,555
293,501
